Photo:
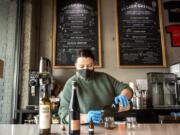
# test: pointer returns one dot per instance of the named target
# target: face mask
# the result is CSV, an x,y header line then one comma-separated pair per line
x,y
85,73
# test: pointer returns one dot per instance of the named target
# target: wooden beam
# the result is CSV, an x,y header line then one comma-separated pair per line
x,y
1,68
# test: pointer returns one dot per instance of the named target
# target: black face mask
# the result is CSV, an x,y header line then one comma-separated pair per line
x,y
85,73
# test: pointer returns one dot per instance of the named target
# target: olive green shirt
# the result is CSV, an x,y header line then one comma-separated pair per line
x,y
92,94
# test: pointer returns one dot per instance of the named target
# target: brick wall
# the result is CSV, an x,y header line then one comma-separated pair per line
x,y
7,51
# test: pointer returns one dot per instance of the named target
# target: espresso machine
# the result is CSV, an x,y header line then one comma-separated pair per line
x,y
162,90
175,68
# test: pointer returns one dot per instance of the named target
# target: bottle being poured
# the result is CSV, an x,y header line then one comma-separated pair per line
x,y
111,110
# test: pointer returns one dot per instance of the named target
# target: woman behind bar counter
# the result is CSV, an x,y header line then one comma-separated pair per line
x,y
95,90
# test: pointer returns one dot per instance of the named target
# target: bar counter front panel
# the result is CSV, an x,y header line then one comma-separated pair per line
x,y
148,115
143,115
141,129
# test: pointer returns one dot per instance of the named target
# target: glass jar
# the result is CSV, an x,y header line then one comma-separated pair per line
x,y
131,122
109,122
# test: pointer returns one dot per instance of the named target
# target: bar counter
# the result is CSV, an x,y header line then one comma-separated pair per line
x,y
141,129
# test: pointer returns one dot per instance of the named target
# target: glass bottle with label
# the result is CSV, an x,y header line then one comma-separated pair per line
x,y
74,112
91,127
45,113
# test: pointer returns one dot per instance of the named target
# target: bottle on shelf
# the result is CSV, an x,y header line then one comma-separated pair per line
x,y
74,111
45,114
91,127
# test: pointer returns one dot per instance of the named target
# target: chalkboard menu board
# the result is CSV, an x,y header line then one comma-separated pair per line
x,y
76,26
140,33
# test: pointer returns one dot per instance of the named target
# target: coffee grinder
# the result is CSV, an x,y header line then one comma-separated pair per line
x,y
33,94
45,76
37,82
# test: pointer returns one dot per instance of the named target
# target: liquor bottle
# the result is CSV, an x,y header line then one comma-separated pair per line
x,y
74,112
45,113
91,127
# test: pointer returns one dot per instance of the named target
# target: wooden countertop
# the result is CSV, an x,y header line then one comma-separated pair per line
x,y
141,129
